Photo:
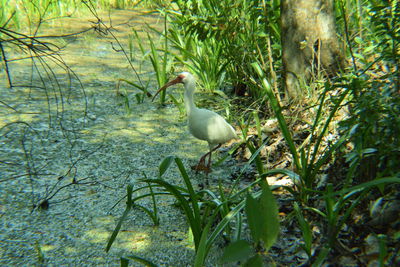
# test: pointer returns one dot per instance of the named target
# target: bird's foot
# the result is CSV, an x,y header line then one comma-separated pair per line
x,y
201,167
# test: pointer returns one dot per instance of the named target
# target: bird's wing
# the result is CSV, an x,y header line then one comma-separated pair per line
x,y
211,127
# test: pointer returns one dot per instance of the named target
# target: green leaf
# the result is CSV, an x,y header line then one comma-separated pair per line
x,y
124,262
237,251
291,174
201,251
320,258
117,228
376,182
262,216
253,212
369,150
152,215
180,195
189,186
270,210
257,157
255,261
278,113
165,165
223,223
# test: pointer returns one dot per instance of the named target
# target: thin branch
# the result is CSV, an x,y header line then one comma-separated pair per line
x,y
102,28
6,65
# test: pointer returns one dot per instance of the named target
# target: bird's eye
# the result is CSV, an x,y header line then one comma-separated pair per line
x,y
181,77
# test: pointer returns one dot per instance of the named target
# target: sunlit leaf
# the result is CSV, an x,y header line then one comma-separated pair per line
x,y
237,251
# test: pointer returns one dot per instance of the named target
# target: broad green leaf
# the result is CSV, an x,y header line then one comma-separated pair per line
x,y
262,216
270,210
237,251
253,212
255,261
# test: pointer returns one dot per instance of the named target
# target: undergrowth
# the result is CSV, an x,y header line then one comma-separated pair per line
x,y
343,138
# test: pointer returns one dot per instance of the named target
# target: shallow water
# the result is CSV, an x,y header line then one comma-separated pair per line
x,y
62,128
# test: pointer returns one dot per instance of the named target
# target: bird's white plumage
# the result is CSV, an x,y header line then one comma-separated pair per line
x,y
209,126
203,124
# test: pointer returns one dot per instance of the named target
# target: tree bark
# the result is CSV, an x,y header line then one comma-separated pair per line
x,y
309,43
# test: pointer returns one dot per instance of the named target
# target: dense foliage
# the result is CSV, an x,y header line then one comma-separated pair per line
x,y
237,33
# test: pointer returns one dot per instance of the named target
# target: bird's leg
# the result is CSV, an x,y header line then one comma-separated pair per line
x,y
209,157
208,168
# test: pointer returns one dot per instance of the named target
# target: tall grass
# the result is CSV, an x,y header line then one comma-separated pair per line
x,y
28,14
158,53
223,37
308,162
205,59
209,215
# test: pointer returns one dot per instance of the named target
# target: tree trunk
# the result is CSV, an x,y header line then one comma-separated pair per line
x,y
309,43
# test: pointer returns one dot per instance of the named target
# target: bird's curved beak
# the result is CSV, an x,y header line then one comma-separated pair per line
x,y
168,84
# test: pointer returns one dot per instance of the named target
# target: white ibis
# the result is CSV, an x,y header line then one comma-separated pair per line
x,y
203,124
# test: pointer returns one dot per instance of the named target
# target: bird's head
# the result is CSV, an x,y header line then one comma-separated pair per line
x,y
184,77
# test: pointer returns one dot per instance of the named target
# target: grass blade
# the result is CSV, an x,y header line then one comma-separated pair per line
x,y
201,251
125,261
165,165
118,227
305,229
278,113
192,193
192,219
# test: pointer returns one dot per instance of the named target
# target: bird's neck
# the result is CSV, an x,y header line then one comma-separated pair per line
x,y
189,98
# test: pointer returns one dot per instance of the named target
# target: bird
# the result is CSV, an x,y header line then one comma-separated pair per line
x,y
203,124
